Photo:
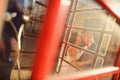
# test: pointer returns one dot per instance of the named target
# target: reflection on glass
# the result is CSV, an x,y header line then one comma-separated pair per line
x,y
84,39
89,44
90,19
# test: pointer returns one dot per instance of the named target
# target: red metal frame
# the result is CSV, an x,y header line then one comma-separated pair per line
x,y
112,8
50,38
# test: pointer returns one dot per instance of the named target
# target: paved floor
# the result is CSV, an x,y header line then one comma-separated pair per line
x,y
24,75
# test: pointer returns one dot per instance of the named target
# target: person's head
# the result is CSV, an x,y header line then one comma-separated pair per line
x,y
87,38
78,39
75,38
14,6
20,7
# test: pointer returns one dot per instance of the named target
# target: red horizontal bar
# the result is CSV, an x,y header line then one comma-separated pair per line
x,y
110,7
23,51
27,52
30,36
38,2
35,19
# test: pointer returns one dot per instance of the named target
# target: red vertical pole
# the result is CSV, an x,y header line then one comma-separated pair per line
x,y
1,1
1,7
50,38
3,4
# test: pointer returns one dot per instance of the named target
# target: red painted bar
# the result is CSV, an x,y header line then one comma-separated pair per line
x,y
41,4
3,4
36,20
110,7
30,36
50,39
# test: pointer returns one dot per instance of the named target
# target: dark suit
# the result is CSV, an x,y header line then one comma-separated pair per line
x,y
8,33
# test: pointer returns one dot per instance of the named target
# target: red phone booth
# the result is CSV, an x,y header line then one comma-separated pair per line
x,y
87,25
53,28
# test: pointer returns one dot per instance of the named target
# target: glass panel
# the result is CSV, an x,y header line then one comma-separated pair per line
x,y
74,5
113,47
110,58
87,4
110,24
67,68
90,19
93,39
84,39
116,2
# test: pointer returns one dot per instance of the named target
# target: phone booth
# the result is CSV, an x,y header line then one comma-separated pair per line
x,y
90,20
79,40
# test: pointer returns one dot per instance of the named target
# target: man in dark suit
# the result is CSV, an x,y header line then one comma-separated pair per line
x,y
10,40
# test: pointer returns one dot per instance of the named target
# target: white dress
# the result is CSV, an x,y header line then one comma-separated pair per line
x,y
67,68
